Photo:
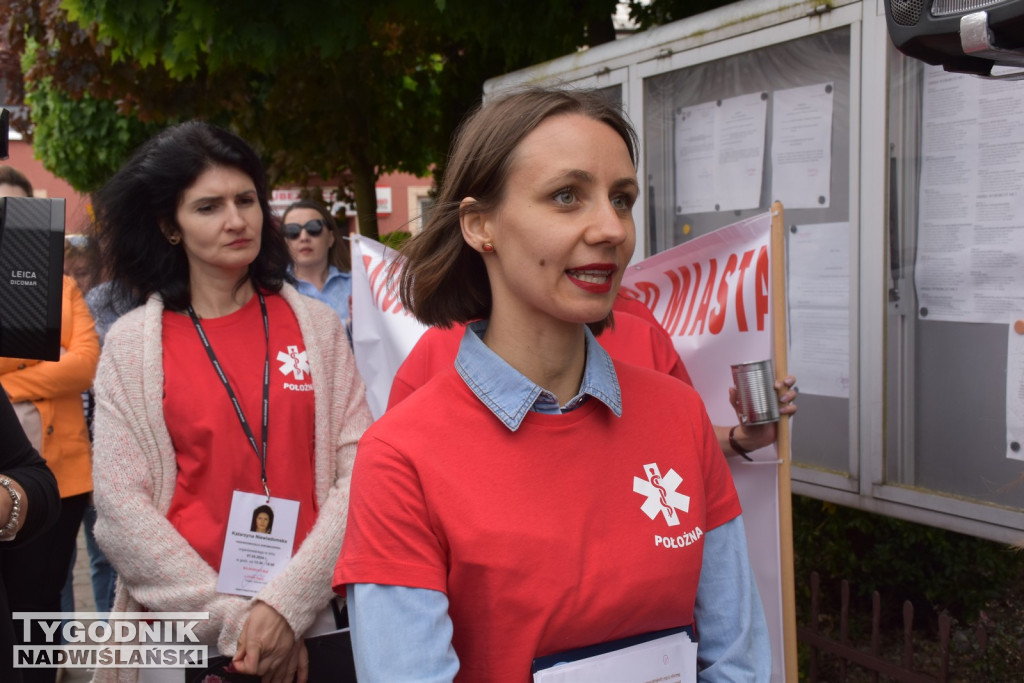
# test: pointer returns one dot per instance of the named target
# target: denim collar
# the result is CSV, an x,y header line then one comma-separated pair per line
x,y
510,395
332,272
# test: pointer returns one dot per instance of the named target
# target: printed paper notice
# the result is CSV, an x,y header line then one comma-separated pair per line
x,y
1015,391
802,146
719,154
740,136
818,297
259,542
696,159
970,245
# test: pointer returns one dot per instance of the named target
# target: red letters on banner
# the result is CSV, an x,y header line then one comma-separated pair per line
x,y
698,302
384,293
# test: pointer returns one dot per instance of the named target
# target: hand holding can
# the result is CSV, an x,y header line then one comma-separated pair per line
x,y
755,389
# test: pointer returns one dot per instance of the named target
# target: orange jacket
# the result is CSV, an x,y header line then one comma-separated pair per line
x,y
55,387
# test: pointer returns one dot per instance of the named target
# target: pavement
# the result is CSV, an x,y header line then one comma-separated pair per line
x,y
83,603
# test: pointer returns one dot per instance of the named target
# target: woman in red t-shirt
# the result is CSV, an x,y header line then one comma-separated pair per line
x,y
224,390
538,497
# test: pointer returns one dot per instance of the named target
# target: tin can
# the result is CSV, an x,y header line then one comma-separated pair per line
x,y
755,389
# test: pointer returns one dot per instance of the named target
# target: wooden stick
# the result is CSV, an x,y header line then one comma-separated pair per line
x,y
778,246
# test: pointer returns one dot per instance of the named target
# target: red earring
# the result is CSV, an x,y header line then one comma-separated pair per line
x,y
488,247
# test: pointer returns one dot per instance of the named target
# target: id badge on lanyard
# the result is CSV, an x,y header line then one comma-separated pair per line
x,y
258,543
261,529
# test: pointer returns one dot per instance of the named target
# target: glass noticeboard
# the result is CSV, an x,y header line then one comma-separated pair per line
x,y
726,138
903,192
955,365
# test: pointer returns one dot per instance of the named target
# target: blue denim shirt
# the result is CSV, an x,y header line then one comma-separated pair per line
x,y
510,395
337,289
404,634
107,304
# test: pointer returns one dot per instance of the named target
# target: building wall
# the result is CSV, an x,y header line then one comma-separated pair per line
x,y
398,197
405,190
46,184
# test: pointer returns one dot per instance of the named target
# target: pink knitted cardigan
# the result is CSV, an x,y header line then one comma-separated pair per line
x,y
134,474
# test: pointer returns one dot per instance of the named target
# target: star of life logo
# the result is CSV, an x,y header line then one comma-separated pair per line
x,y
293,362
662,497
101,640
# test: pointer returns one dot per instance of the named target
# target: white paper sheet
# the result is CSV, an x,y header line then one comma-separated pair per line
x,y
741,130
802,146
818,297
1015,391
819,353
719,154
970,251
669,659
696,159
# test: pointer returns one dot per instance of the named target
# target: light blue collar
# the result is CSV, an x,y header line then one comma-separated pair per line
x,y
332,272
510,395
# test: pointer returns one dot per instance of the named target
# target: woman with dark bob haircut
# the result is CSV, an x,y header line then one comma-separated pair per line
x,y
559,499
225,388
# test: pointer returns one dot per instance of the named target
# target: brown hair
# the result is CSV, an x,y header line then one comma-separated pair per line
x,y
339,255
443,280
12,176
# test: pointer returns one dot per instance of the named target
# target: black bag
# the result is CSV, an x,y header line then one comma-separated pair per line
x,y
330,659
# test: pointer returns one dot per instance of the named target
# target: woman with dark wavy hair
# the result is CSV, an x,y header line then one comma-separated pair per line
x,y
224,386
141,202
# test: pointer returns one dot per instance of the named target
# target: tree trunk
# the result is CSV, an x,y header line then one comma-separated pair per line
x,y
364,181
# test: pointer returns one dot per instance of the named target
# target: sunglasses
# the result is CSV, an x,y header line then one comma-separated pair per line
x,y
312,228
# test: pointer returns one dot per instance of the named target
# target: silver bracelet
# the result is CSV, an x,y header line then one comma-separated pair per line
x,y
10,529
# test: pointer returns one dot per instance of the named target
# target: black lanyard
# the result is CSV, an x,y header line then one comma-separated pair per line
x,y
261,454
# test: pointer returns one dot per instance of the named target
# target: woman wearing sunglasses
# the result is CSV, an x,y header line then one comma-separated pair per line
x,y
320,257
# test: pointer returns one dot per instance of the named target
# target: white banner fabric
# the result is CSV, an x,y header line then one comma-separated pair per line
x,y
383,331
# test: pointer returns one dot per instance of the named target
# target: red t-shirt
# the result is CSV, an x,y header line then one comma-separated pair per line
x,y
632,339
214,456
552,537
663,352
